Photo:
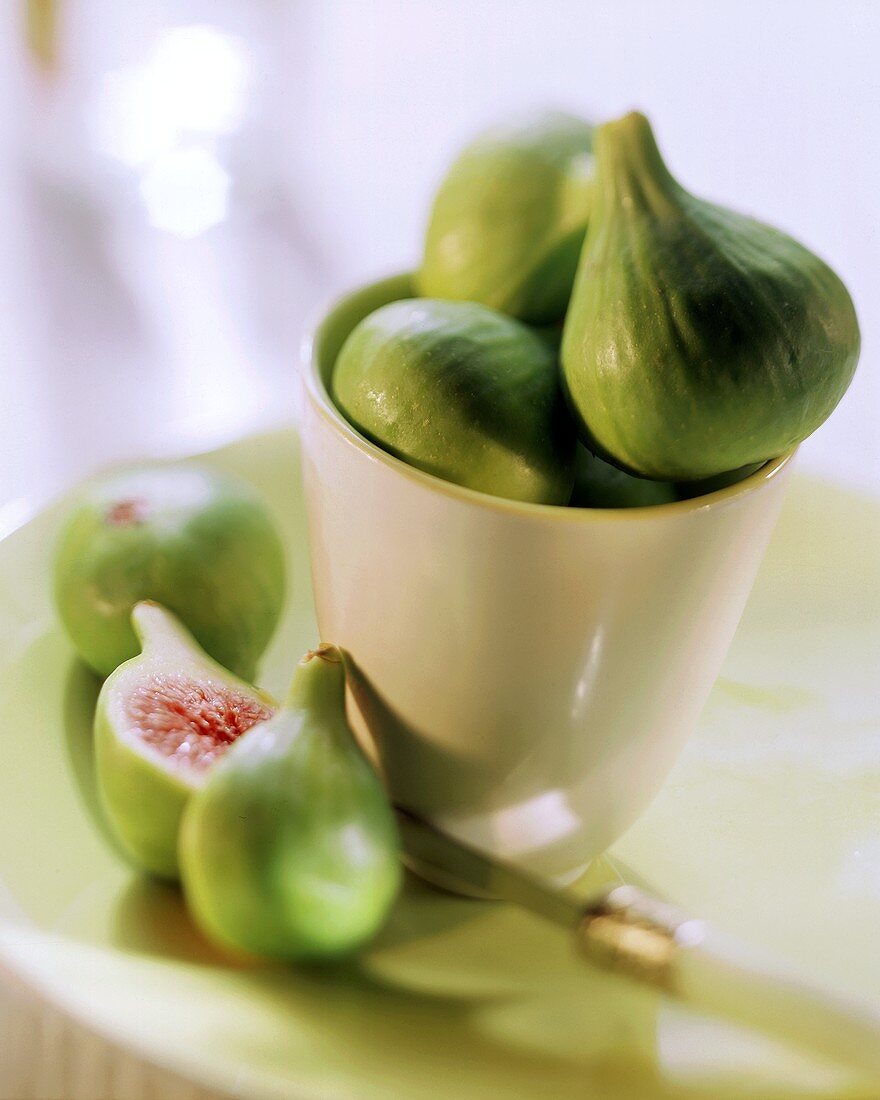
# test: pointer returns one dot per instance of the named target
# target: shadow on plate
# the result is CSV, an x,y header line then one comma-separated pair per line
x,y
80,696
448,978
151,918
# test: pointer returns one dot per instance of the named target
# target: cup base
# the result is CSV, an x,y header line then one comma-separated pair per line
x,y
451,885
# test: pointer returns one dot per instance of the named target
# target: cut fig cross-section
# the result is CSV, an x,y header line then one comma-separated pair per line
x,y
163,718
191,722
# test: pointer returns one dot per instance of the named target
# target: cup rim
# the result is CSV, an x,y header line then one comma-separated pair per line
x,y
320,397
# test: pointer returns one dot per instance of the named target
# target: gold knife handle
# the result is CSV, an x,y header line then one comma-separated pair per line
x,y
630,933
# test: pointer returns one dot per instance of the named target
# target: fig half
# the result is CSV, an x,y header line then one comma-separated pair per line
x,y
161,721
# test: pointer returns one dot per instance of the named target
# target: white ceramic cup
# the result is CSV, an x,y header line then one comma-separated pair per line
x,y
528,674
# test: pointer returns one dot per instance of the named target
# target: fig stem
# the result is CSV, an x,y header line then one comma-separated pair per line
x,y
319,680
630,169
158,630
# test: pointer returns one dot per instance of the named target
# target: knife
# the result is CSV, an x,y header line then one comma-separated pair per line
x,y
628,932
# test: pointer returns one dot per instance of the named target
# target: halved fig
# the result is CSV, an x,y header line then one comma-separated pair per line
x,y
161,721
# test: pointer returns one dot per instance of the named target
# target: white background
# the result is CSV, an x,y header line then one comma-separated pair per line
x,y
119,338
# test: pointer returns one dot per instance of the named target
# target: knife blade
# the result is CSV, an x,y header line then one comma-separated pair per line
x,y
459,867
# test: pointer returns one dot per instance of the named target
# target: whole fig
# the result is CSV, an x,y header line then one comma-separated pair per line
x,y
290,848
509,218
199,542
461,392
697,340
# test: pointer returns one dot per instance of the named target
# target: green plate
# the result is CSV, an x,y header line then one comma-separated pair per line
x,y
770,826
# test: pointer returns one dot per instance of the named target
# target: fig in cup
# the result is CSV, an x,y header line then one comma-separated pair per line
x,y
697,340
290,848
462,392
688,489
508,220
598,484
162,719
196,541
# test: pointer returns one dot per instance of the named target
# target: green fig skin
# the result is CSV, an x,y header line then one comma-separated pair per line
x,y
144,794
697,340
196,541
597,484
462,392
290,850
509,219
687,490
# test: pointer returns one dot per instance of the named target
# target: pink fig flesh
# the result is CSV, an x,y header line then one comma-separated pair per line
x,y
190,723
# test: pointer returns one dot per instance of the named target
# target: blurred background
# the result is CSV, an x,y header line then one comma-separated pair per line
x,y
184,182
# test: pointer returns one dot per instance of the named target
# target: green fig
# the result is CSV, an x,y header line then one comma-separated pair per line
x,y
509,219
290,849
597,484
697,340
461,392
194,540
687,490
162,719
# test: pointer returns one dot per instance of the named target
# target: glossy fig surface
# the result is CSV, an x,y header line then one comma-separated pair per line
x,y
462,392
697,340
508,220
290,848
